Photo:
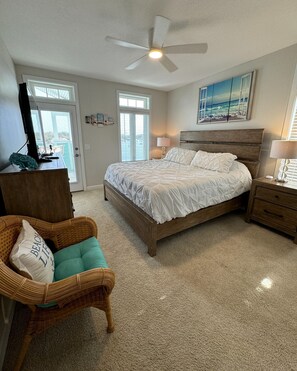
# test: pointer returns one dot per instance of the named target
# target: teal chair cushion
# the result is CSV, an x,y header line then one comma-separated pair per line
x,y
77,258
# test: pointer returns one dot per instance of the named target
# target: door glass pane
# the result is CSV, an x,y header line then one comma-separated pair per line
x,y
58,134
134,136
38,131
125,137
140,137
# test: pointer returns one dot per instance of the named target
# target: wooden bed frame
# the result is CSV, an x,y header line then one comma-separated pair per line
x,y
245,144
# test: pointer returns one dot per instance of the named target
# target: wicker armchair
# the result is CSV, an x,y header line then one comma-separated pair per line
x,y
87,289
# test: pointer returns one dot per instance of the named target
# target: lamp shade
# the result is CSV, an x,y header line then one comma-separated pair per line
x,y
163,142
284,149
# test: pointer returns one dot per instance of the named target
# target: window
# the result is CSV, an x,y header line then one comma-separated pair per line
x,y
50,91
134,112
292,167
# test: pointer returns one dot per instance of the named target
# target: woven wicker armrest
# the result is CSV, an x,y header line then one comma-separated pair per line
x,y
90,288
31,292
65,233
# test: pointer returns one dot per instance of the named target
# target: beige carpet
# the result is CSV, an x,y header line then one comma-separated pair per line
x,y
221,296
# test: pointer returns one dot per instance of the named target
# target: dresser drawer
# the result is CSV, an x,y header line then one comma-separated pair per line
x,y
277,197
275,215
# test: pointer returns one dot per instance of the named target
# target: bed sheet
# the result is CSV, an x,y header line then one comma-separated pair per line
x,y
166,190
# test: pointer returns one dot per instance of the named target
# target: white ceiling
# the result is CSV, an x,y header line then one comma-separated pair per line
x,y
69,35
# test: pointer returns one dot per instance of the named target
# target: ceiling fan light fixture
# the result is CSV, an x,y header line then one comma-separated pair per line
x,y
155,54
156,49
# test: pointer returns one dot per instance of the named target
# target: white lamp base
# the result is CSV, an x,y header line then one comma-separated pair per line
x,y
282,172
281,180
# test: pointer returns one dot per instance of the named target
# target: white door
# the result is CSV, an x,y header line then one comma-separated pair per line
x,y
56,131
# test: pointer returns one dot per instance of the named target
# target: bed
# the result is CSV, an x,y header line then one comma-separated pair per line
x,y
149,225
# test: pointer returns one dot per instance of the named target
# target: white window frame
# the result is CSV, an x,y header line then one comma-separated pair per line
x,y
45,81
287,128
292,166
134,110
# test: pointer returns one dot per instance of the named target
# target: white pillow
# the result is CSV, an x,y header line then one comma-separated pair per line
x,y
180,155
31,257
214,161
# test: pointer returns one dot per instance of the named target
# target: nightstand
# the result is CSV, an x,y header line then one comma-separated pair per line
x,y
274,204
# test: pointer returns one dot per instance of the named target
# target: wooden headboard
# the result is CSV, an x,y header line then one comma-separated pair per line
x,y
244,143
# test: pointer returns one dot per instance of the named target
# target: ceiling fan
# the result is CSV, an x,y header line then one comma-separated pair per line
x,y
156,50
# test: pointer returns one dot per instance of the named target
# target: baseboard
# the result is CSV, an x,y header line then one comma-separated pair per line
x,y
5,323
91,188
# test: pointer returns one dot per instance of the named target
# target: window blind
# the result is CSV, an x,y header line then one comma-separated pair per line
x,y
292,167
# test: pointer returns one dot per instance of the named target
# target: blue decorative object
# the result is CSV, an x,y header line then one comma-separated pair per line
x,y
23,161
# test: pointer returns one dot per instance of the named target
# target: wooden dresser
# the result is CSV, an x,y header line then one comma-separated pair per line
x,y
274,204
43,193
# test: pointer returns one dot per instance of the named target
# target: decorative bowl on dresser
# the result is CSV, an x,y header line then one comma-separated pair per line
x,y
274,204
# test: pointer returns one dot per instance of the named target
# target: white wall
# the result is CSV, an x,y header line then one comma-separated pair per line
x,y
275,74
100,96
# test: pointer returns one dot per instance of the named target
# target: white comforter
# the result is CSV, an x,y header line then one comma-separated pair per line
x,y
166,190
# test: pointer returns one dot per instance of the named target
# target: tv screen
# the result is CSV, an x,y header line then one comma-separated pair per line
x,y
25,105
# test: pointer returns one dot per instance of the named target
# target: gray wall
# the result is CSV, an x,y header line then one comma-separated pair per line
x,y
275,73
100,96
12,135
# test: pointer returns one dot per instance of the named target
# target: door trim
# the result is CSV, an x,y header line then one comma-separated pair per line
x,y
26,77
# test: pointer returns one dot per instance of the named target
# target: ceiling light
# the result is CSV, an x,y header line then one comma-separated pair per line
x,y
155,53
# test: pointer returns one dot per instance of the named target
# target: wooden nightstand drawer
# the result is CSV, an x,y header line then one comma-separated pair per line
x,y
274,204
275,215
280,198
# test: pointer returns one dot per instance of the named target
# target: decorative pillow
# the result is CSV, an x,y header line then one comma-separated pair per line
x,y
31,257
180,155
214,161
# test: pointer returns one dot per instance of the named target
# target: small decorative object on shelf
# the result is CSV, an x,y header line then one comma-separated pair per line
x,y
25,162
99,120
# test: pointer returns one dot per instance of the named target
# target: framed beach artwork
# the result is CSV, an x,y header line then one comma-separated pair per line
x,y
226,101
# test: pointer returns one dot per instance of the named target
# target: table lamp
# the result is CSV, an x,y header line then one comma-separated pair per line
x,y
286,150
163,142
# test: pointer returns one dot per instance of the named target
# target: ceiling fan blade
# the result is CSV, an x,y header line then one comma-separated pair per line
x,y
126,44
186,49
136,63
168,64
161,28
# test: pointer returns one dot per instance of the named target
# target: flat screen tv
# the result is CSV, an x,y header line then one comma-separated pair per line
x,y
26,105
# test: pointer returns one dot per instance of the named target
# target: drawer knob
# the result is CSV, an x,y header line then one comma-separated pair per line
x,y
274,214
276,196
